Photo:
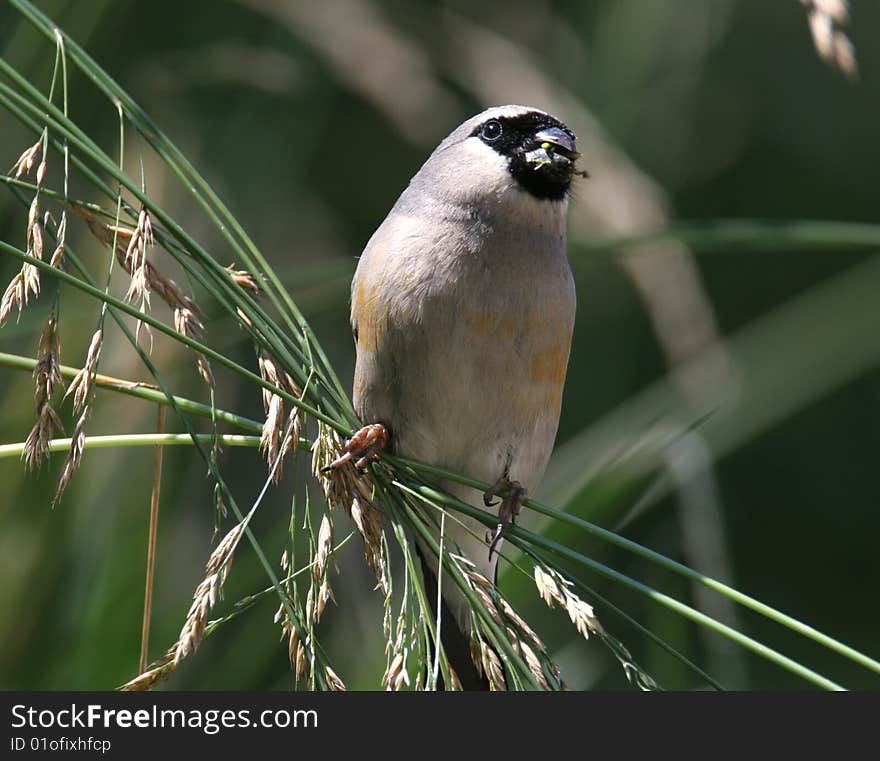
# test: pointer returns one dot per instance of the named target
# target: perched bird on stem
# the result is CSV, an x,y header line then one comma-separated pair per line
x,y
462,308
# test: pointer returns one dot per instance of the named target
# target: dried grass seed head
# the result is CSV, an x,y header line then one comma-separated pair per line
x,y
209,590
323,548
74,454
554,588
244,279
36,446
25,162
492,668
81,385
47,376
13,297
186,310
157,673
334,683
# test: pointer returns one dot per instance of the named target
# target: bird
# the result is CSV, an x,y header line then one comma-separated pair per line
x,y
462,310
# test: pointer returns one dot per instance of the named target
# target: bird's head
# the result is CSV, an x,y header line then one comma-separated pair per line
x,y
508,149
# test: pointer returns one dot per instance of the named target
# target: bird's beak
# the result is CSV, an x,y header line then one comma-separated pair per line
x,y
557,141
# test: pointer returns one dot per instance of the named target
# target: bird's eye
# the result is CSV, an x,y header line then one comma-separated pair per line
x,y
491,130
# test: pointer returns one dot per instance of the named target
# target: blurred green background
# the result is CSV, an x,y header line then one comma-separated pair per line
x,y
309,119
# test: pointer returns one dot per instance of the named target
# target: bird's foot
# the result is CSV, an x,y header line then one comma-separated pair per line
x,y
511,503
365,443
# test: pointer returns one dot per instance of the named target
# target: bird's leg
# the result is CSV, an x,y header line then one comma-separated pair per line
x,y
511,503
362,446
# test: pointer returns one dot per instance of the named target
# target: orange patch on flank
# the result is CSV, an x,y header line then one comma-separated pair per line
x,y
548,369
367,316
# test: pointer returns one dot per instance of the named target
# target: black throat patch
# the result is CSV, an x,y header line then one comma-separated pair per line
x,y
515,139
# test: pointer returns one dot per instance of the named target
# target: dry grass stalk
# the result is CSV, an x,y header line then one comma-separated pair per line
x,y
397,647
454,682
36,241
396,676
82,389
386,622
36,446
275,441
491,667
534,663
292,434
335,483
245,320
26,161
369,524
322,550
74,454
245,279
521,626
334,683
301,645
26,282
135,262
209,591
187,314
531,659
270,440
522,637
47,376
302,662
15,296
480,585
188,324
348,489
489,604
476,655
554,588
158,672
162,668
318,597
826,18
296,650
60,234
81,385
320,591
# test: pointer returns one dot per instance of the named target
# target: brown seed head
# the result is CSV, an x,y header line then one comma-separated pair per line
x,y
13,297
81,385
244,279
322,551
209,591
26,161
74,454
334,683
492,668
37,241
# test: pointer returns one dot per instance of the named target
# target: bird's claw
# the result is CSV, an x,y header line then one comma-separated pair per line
x,y
488,496
511,504
365,444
